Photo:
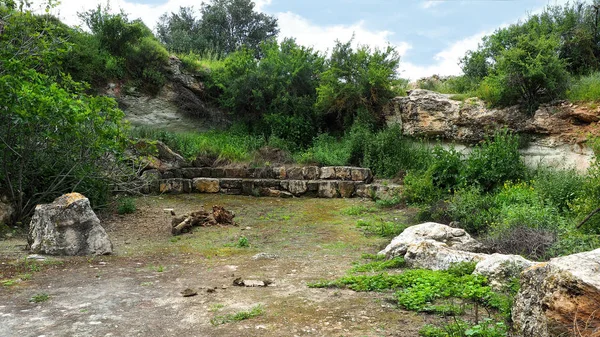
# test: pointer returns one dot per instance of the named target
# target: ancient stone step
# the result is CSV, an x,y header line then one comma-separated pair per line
x,y
345,173
321,188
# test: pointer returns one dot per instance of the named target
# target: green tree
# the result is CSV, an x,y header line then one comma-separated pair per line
x,y
275,95
229,25
357,84
180,32
53,137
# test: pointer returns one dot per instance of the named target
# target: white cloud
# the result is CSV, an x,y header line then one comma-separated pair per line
x,y
446,61
430,4
323,37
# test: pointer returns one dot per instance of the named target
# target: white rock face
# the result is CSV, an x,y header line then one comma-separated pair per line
x,y
68,226
500,268
560,298
435,255
454,238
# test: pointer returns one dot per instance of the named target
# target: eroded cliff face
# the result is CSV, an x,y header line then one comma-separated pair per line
x,y
558,132
178,106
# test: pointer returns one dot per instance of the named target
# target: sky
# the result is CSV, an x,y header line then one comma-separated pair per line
x,y
431,36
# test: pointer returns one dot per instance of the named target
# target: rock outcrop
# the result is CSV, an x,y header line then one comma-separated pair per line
x,y
429,114
452,238
500,269
436,255
560,298
67,226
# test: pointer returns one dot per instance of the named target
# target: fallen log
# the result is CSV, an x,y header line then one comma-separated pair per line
x,y
219,216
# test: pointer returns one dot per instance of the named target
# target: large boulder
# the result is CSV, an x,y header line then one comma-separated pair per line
x,y
454,238
67,226
560,298
435,255
500,269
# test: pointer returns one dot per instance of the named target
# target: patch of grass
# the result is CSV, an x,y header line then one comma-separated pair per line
x,y
227,145
459,328
39,298
216,307
585,89
381,228
158,269
381,265
358,210
239,316
375,257
9,283
126,206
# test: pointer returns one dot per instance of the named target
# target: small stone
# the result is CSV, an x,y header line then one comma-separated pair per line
x,y
36,257
188,292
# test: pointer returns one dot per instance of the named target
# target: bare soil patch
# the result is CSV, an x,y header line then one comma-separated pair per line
x,y
137,291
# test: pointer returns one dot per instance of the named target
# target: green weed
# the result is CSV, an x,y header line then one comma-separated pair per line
x,y
38,298
239,316
243,242
126,206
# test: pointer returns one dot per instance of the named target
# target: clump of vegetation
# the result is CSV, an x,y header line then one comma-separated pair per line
x,y
255,311
39,298
585,89
386,229
126,205
243,242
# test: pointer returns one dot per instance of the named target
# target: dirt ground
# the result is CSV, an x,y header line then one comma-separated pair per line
x,y
136,291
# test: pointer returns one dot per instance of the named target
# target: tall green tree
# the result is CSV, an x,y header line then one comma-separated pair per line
x,y
223,27
357,84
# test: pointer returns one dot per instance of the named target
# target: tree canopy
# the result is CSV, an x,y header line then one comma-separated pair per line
x,y
224,26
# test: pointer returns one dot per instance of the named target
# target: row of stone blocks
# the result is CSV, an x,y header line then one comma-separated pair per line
x,y
275,187
344,173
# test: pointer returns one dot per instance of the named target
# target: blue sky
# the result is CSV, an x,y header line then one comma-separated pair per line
x,y
430,35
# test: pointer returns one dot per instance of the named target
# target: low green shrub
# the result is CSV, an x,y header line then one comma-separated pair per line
x,y
419,188
459,328
585,88
326,150
473,209
255,311
386,229
495,161
558,187
126,206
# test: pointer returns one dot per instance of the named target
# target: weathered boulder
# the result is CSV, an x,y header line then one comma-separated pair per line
x,y
296,187
327,173
67,226
435,255
454,238
500,268
346,189
206,185
560,298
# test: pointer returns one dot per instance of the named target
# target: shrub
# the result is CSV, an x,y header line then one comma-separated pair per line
x,y
533,243
585,88
388,153
419,188
357,82
446,168
326,150
474,210
558,187
495,161
126,206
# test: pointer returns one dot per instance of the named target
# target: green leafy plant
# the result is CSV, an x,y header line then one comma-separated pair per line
x,y
255,311
243,242
126,205
39,298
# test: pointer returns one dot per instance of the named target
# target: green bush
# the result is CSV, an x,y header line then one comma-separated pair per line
x,y
419,188
326,150
558,187
585,88
388,153
126,206
446,168
474,210
360,81
495,161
